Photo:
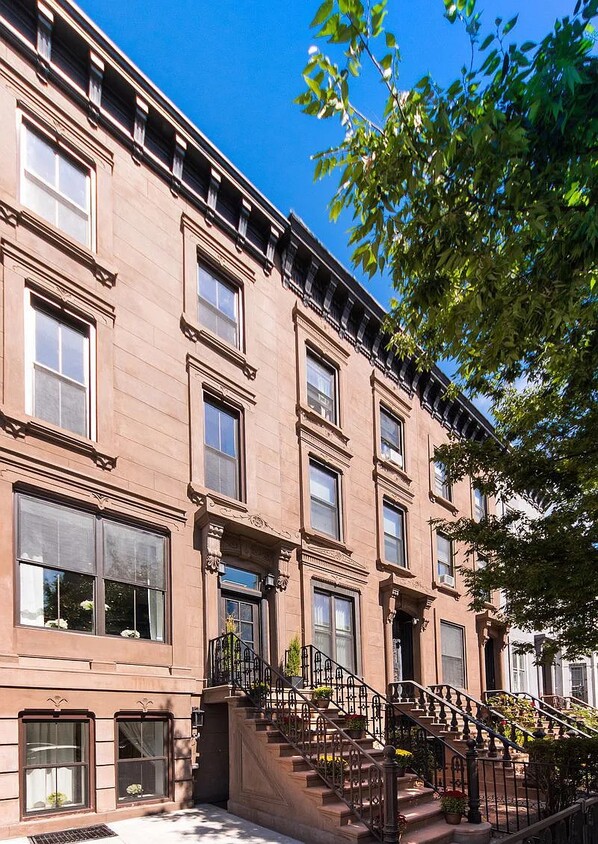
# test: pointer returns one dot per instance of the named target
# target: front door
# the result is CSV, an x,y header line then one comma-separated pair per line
x,y
490,664
579,681
402,640
241,602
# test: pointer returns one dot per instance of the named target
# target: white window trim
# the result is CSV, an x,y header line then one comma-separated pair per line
x,y
27,123
314,461
402,540
89,360
316,355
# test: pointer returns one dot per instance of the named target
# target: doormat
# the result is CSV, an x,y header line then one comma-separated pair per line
x,y
89,833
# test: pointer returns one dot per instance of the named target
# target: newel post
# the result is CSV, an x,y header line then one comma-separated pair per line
x,y
390,831
473,783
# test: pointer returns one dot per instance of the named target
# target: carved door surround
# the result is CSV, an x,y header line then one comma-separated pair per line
x,y
412,598
238,536
492,640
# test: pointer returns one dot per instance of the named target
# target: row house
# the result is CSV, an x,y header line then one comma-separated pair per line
x,y
201,424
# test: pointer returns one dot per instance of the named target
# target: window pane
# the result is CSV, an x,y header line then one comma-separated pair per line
x,y
322,609
218,306
149,606
345,652
38,198
228,434
46,340
321,388
322,484
324,519
73,353
73,408
46,396
64,592
138,780
212,426
56,535
227,297
72,181
208,286
221,473
133,554
39,157
241,577
453,668
443,545
390,429
120,609
343,614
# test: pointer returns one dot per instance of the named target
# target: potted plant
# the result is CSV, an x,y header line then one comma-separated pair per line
x,y
404,759
355,725
332,768
322,696
56,800
453,804
259,690
293,666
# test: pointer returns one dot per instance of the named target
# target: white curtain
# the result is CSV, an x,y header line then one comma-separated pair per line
x,y
32,595
155,606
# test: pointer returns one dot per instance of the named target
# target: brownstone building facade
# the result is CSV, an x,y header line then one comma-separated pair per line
x,y
200,421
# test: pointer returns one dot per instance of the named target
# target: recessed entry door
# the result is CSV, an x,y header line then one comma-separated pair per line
x,y
244,613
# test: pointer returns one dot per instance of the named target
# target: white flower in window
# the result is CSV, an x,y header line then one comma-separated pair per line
x,y
57,623
86,605
135,789
130,634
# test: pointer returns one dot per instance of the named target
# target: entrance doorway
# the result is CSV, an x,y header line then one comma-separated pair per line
x,y
579,681
402,642
241,606
490,664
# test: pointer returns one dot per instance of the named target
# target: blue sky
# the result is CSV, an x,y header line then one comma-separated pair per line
x,y
234,67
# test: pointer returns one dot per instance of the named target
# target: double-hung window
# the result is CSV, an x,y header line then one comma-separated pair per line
x,y
142,758
324,499
444,559
55,765
321,387
452,643
218,306
59,350
334,626
480,505
519,671
442,485
221,449
391,437
56,186
394,535
81,572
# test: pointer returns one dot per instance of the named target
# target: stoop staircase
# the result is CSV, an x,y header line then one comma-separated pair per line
x,y
294,768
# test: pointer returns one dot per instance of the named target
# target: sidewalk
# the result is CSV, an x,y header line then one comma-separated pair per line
x,y
205,823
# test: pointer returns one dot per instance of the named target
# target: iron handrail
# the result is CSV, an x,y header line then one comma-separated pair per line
x,y
565,723
434,700
291,712
352,695
438,688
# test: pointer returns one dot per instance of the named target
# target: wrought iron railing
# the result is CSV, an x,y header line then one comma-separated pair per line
x,y
548,719
577,824
437,762
355,776
454,719
563,703
484,712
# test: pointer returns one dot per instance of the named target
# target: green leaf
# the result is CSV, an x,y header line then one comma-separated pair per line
x,y
487,42
322,13
509,25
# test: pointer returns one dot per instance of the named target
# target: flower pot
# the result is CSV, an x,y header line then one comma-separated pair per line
x,y
354,734
453,818
401,771
322,702
296,682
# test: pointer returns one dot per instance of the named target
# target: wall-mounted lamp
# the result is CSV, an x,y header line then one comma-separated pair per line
x,y
196,718
269,581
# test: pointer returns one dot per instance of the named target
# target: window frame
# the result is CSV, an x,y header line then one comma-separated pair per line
x,y
518,672
225,281
324,363
51,716
28,124
402,539
479,513
99,577
34,303
136,715
386,411
442,488
461,628
438,562
337,475
238,413
347,594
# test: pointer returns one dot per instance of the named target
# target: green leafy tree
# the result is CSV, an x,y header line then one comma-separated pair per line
x,y
479,200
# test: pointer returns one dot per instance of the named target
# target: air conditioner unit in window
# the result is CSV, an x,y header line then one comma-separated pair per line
x,y
446,579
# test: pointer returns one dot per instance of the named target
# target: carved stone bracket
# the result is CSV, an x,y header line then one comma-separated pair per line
x,y
197,334
211,541
141,115
275,234
283,575
57,701
8,214
94,91
410,596
45,22
104,275
214,187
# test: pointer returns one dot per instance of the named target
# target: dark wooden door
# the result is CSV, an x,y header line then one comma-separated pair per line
x,y
402,632
490,664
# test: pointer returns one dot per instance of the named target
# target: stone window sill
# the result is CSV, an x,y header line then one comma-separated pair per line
x,y
318,538
199,334
444,502
448,590
21,427
400,571
393,468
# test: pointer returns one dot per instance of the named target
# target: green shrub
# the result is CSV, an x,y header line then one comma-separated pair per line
x,y
322,693
293,667
563,769
332,767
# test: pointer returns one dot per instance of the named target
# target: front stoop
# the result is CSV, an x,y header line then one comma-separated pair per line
x,y
273,786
